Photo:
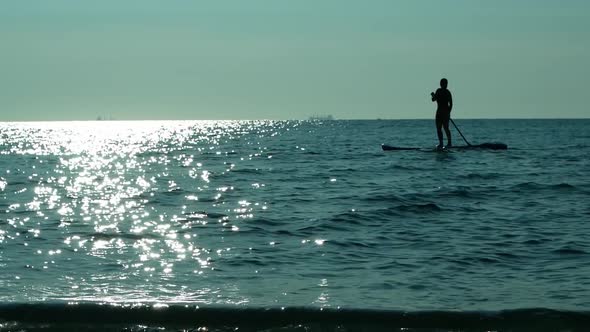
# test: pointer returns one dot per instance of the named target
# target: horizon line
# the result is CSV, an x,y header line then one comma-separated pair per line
x,y
268,119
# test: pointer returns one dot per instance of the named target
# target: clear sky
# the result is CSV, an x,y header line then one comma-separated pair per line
x,y
289,59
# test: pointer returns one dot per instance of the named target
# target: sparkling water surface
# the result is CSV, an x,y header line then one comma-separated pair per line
x,y
296,213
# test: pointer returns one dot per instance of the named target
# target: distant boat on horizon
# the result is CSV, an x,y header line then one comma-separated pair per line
x,y
321,117
104,118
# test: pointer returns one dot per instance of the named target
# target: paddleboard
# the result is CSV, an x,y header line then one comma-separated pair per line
x,y
484,146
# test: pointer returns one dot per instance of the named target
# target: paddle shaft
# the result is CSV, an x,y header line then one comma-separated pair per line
x,y
453,122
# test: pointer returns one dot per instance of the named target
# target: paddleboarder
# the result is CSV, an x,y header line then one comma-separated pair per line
x,y
444,101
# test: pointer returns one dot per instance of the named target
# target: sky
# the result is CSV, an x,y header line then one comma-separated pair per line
x,y
291,59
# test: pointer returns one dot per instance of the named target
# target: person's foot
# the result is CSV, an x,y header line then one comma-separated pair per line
x,y
449,145
439,147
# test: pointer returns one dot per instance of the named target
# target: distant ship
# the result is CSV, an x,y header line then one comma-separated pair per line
x,y
321,118
104,118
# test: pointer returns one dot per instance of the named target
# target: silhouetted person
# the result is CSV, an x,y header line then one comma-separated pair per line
x,y
444,101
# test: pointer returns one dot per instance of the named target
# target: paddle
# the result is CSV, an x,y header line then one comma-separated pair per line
x,y
459,132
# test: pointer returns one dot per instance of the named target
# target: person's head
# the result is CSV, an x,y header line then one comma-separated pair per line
x,y
444,83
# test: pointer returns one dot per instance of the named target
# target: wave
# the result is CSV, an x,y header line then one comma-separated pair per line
x,y
569,251
110,236
198,215
481,176
91,316
420,208
383,197
540,186
399,167
248,171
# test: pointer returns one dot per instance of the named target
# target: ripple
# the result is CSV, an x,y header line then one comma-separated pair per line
x,y
420,208
569,251
111,236
482,176
528,186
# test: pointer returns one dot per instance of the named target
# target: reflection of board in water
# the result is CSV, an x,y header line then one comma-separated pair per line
x,y
484,146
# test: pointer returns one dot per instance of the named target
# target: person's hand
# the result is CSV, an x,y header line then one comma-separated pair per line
x,y
432,94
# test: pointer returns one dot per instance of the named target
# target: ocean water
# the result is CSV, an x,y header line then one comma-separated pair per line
x,y
294,226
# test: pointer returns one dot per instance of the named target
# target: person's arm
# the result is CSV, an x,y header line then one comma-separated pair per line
x,y
433,95
450,102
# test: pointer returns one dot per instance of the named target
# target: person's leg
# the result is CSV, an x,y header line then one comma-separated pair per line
x,y
447,131
439,124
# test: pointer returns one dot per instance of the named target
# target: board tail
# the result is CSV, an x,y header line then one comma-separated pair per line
x,y
386,147
493,146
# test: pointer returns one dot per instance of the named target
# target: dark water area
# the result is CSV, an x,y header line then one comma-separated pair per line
x,y
246,217
92,317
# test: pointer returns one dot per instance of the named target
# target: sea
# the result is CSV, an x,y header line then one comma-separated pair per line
x,y
294,226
